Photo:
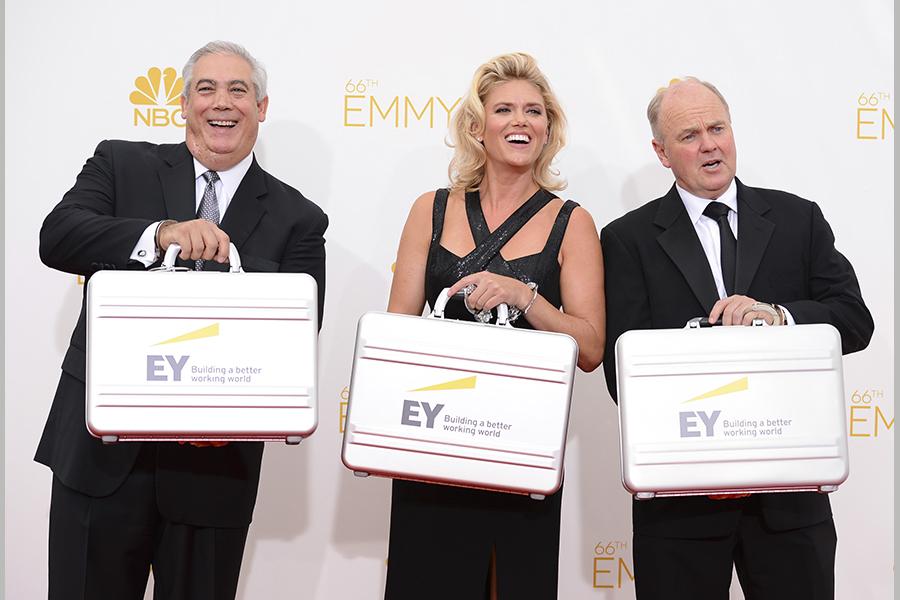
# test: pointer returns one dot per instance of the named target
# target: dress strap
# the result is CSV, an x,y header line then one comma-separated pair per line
x,y
475,215
554,241
437,215
488,244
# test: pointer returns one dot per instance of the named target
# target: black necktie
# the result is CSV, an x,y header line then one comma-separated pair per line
x,y
719,213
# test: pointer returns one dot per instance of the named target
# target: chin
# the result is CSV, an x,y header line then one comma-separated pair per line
x,y
220,149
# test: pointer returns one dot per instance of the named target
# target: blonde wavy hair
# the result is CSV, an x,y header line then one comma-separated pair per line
x,y
467,166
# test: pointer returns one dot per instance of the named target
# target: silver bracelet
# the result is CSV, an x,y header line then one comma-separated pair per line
x,y
515,312
534,288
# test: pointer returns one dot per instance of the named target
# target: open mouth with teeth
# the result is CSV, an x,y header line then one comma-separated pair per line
x,y
226,124
712,164
518,138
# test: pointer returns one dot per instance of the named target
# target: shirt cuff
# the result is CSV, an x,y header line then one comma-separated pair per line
x,y
145,251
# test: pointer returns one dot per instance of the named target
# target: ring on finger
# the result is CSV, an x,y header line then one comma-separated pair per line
x,y
484,316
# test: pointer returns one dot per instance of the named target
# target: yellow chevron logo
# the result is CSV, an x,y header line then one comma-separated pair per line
x,y
738,385
466,383
205,332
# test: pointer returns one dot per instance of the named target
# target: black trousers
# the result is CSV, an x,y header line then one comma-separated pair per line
x,y
104,548
797,564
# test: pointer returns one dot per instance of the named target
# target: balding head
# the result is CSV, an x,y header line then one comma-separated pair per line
x,y
653,109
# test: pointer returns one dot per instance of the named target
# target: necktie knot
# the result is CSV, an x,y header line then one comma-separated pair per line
x,y
716,210
211,177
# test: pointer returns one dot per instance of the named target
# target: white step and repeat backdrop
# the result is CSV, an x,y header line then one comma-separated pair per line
x,y
360,95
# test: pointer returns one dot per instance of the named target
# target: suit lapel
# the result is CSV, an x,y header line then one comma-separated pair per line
x,y
754,233
177,178
246,206
679,240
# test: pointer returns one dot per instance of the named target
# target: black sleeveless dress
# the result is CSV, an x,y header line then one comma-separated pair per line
x,y
442,536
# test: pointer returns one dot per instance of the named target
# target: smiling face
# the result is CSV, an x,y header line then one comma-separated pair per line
x,y
515,125
697,140
221,111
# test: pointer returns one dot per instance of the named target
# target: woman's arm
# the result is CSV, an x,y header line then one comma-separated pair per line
x,y
408,285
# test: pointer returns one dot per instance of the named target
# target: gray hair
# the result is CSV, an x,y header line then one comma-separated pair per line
x,y
258,72
656,102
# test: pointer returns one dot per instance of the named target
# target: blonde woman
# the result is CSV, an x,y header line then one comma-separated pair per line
x,y
500,230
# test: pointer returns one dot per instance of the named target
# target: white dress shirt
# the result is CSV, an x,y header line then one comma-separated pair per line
x,y
146,252
708,231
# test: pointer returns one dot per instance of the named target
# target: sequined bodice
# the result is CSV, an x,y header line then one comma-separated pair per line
x,y
444,268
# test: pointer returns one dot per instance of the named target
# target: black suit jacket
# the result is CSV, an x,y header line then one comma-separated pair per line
x,y
657,276
121,190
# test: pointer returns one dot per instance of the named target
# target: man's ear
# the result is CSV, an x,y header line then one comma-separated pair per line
x,y
660,150
261,107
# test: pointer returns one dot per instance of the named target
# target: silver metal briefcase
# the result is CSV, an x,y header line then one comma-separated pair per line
x,y
460,403
731,409
200,356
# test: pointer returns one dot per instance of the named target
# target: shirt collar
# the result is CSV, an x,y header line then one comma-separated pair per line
x,y
696,205
231,178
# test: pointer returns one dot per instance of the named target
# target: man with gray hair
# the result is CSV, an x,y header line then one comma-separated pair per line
x,y
117,510
714,247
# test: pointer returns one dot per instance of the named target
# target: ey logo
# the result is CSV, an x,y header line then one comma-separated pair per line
x,y
156,98
156,363
410,415
688,419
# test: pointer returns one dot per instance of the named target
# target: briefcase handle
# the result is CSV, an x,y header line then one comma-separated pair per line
x,y
168,263
703,322
443,298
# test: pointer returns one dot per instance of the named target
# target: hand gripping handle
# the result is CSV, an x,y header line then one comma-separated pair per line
x,y
443,298
703,322
168,263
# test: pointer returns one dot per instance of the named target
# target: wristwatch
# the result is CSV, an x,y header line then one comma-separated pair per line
x,y
772,310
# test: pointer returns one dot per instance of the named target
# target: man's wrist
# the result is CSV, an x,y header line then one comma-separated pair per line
x,y
162,225
773,310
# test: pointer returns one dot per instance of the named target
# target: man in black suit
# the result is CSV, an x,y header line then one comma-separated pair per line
x,y
669,261
116,510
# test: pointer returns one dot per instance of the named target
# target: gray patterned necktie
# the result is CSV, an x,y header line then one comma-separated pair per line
x,y
209,206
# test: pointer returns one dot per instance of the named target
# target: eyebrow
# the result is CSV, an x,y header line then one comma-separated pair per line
x,y
213,82
696,129
527,104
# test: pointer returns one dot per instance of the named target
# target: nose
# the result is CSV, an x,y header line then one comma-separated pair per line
x,y
707,142
222,98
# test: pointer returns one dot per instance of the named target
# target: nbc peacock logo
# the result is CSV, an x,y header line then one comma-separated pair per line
x,y
157,98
